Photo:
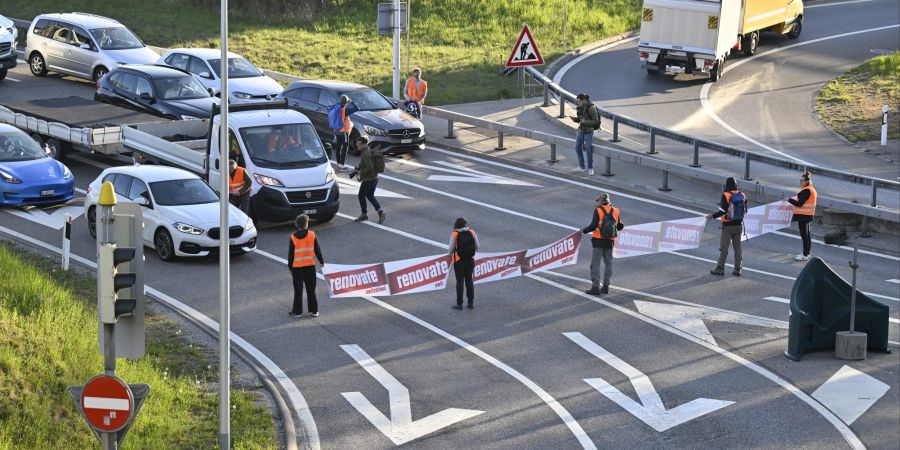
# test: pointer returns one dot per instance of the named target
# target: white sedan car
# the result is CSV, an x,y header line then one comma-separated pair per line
x,y
246,83
181,214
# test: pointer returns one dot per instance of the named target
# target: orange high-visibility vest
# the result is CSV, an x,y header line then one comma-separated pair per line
x,y
304,250
345,119
808,208
236,180
416,89
728,202
601,214
456,235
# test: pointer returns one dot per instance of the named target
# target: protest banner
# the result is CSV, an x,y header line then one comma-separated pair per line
x,y
563,252
497,266
346,280
428,273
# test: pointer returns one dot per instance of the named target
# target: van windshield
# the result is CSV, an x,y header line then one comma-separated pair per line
x,y
19,147
116,38
284,146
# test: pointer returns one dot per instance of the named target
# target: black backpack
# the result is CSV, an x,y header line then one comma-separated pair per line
x,y
378,159
596,127
465,244
608,224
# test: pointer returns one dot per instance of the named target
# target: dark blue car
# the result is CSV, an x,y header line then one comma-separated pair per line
x,y
27,175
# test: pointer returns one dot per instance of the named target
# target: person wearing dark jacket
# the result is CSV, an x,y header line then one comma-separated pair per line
x,y
368,179
804,212
602,246
463,265
731,229
303,251
587,117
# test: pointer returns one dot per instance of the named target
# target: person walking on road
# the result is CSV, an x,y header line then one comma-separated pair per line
x,y
804,213
463,245
605,226
588,120
732,207
239,186
415,93
303,251
371,163
339,121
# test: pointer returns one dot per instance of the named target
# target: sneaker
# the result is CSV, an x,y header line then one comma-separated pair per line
x,y
580,167
456,306
801,258
381,216
315,314
593,291
361,218
470,306
604,289
717,272
590,171
293,314
736,273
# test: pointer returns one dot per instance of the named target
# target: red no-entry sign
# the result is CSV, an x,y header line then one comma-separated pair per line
x,y
107,403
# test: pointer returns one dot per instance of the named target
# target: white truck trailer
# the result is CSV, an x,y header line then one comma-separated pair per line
x,y
278,147
696,36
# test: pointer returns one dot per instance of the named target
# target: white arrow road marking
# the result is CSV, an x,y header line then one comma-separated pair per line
x,y
778,299
849,393
400,428
352,188
463,174
690,318
55,220
893,280
651,409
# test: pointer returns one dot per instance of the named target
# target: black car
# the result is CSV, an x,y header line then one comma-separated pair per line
x,y
378,118
159,90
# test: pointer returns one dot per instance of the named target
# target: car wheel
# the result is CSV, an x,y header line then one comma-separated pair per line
x,y
3,72
99,72
165,247
92,221
37,64
796,29
57,149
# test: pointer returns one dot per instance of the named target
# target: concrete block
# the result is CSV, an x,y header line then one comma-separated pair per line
x,y
850,346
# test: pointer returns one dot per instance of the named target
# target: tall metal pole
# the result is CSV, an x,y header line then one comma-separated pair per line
x,y
396,84
108,441
224,254
854,266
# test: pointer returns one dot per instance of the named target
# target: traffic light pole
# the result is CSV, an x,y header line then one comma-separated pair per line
x,y
108,441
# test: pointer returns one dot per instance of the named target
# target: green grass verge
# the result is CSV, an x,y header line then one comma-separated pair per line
x,y
48,341
458,43
851,103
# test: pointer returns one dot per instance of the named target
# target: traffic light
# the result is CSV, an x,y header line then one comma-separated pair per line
x,y
111,279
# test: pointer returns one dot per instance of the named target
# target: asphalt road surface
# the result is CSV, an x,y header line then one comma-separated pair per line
x,y
537,363
765,102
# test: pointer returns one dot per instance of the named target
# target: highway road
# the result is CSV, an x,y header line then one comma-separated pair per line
x,y
765,102
537,363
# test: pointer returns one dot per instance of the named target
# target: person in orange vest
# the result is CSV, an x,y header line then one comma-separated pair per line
x,y
303,251
732,207
239,185
416,88
342,134
463,245
605,226
804,212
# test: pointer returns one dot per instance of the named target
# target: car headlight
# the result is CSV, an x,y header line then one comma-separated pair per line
x,y
329,175
242,95
189,229
66,173
372,131
186,117
267,181
9,178
250,225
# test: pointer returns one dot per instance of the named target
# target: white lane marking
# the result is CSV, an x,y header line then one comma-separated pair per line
x,y
400,428
118,404
562,72
55,220
294,396
352,188
690,318
548,399
651,409
778,299
710,111
845,431
632,197
13,79
893,280
463,174
835,4
849,393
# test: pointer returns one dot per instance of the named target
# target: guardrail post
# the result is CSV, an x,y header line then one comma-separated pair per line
x,y
562,107
615,137
865,228
450,130
546,95
874,193
608,171
696,162
500,141
747,166
665,181
553,159
652,142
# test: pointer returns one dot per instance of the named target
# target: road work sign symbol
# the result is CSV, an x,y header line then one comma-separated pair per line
x,y
107,403
525,52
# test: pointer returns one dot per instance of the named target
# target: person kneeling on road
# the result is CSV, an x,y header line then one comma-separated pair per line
x,y
732,207
463,245
303,251
371,163
605,226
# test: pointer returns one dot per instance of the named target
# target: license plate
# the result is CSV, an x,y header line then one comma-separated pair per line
x,y
309,211
47,192
674,69
406,141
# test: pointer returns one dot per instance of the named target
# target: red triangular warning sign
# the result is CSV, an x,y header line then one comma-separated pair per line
x,y
525,52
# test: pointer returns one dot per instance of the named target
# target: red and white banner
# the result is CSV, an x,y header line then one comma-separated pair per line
x,y
767,218
429,273
563,252
346,280
497,266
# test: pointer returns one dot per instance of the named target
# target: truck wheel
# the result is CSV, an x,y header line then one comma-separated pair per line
x,y
165,248
717,70
749,43
3,72
57,148
38,138
37,64
796,29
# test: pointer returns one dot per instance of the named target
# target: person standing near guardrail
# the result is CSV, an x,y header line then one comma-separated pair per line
x,y
605,226
415,93
732,207
303,251
804,212
588,120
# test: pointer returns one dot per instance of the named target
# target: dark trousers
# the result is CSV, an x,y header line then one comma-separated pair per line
x,y
341,144
803,223
463,269
304,276
241,201
367,191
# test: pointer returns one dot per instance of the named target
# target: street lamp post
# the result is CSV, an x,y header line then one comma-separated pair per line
x,y
224,254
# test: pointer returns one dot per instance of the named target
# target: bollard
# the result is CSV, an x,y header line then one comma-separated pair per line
x,y
615,137
696,162
500,141
884,111
652,142
553,159
562,107
608,171
747,166
665,181
67,241
450,130
546,96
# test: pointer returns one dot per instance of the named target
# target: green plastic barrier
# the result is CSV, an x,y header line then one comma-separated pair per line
x,y
820,307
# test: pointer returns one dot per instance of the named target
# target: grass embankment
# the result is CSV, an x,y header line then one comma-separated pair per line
x,y
48,341
458,43
851,103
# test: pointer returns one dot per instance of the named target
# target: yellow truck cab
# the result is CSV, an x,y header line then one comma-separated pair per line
x,y
696,36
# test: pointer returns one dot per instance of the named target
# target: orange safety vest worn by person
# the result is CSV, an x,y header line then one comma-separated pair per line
x,y
236,180
602,247
416,88
303,251
804,212
239,187
731,230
